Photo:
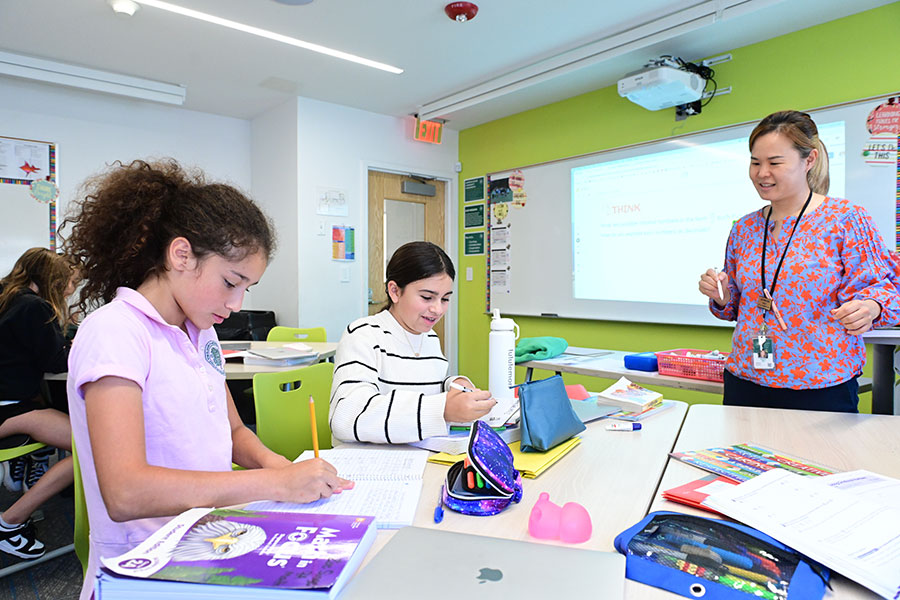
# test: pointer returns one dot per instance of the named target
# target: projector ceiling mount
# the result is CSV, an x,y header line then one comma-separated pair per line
x,y
669,81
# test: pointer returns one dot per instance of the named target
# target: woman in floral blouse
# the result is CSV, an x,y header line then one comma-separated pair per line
x,y
804,277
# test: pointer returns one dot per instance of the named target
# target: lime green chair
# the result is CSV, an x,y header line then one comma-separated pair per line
x,y
282,408
296,334
82,525
18,445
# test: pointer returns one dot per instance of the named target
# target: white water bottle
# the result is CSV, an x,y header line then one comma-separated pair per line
x,y
502,359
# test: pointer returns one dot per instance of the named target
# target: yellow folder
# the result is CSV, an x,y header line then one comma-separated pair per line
x,y
531,464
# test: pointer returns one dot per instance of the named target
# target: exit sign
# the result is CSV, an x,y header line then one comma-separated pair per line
x,y
429,131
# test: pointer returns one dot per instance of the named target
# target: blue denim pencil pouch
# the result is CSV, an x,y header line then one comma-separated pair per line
x,y
485,482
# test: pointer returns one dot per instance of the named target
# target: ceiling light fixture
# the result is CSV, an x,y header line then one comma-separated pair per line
x,y
48,71
195,14
124,7
461,11
652,32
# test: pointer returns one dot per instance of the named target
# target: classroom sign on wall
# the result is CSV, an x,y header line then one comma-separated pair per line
x,y
473,243
474,216
474,189
343,245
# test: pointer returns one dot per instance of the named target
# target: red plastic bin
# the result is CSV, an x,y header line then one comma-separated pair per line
x,y
677,363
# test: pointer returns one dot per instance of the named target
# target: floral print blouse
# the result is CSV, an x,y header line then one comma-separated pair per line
x,y
836,255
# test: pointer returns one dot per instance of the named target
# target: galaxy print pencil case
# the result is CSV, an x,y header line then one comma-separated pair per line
x,y
485,482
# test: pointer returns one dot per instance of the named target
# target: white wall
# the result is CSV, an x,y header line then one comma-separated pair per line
x,y
337,146
274,165
93,130
290,151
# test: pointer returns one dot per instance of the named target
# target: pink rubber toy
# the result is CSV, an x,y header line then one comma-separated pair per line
x,y
570,523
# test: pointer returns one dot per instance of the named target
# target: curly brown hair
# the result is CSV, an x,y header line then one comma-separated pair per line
x,y
126,217
47,270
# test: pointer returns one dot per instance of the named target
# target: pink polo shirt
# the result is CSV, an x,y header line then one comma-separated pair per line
x,y
182,378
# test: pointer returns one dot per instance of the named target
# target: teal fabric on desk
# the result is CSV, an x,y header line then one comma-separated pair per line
x,y
539,348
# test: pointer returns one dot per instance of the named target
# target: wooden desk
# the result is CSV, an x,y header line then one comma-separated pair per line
x,y
237,370
614,474
838,440
610,364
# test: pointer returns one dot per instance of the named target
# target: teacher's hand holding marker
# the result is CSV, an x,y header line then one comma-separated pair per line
x,y
714,284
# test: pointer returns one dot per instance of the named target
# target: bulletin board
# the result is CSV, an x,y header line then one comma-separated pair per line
x,y
28,210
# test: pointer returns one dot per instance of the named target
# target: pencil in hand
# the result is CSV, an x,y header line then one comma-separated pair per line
x,y
312,426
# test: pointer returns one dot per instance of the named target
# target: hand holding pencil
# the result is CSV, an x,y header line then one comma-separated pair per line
x,y
714,284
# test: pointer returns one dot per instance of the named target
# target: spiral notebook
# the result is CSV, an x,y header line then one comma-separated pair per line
x,y
388,486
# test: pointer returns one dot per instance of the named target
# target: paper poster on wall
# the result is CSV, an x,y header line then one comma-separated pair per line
x,y
500,237
474,216
517,185
342,243
473,189
499,281
883,124
332,202
473,243
24,161
500,258
500,191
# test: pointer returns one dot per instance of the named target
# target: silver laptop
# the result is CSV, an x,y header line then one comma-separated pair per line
x,y
434,564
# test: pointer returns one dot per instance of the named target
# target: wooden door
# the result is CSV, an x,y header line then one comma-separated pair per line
x,y
414,218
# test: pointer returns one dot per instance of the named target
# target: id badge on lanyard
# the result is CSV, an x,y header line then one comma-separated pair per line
x,y
763,349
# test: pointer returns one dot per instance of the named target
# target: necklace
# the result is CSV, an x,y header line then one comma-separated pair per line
x,y
409,342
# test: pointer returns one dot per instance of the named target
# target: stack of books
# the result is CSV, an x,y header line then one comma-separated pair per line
x,y
630,397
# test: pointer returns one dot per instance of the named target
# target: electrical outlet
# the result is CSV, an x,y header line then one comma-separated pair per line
x,y
345,274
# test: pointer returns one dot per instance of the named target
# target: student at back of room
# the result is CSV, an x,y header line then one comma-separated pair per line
x,y
33,311
167,255
390,376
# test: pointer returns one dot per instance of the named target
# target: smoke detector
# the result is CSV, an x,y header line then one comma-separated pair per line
x,y
461,11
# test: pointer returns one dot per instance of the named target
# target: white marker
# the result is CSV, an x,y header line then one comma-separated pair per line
x,y
620,426
719,284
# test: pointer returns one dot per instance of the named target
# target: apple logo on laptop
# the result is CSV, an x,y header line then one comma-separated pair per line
x,y
487,574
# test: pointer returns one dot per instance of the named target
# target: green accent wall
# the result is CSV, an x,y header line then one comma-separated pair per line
x,y
835,62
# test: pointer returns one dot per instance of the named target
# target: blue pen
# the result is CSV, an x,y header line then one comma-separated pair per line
x,y
439,509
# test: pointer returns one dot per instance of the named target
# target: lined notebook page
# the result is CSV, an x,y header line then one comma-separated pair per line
x,y
388,486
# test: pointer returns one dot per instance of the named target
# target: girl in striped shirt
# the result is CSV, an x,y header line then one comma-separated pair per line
x,y
390,376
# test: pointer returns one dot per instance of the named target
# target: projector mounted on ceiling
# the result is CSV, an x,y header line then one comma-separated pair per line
x,y
666,82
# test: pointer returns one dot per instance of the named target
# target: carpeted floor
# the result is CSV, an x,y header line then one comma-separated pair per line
x,y
56,579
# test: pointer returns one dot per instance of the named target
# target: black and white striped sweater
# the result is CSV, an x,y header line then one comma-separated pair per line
x,y
382,392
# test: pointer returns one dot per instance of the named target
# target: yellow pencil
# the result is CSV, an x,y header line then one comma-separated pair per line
x,y
312,425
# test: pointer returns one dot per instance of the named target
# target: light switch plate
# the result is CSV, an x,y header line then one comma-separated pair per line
x,y
468,273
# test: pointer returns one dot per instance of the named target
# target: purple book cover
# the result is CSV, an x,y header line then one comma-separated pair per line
x,y
250,548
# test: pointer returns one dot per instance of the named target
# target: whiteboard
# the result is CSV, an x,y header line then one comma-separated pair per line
x,y
531,260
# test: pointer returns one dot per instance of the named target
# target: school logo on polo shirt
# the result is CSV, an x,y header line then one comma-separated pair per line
x,y
214,356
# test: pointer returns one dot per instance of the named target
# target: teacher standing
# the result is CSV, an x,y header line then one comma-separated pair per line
x,y
804,277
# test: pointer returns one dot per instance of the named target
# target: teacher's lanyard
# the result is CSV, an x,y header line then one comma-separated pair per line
x,y
765,300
